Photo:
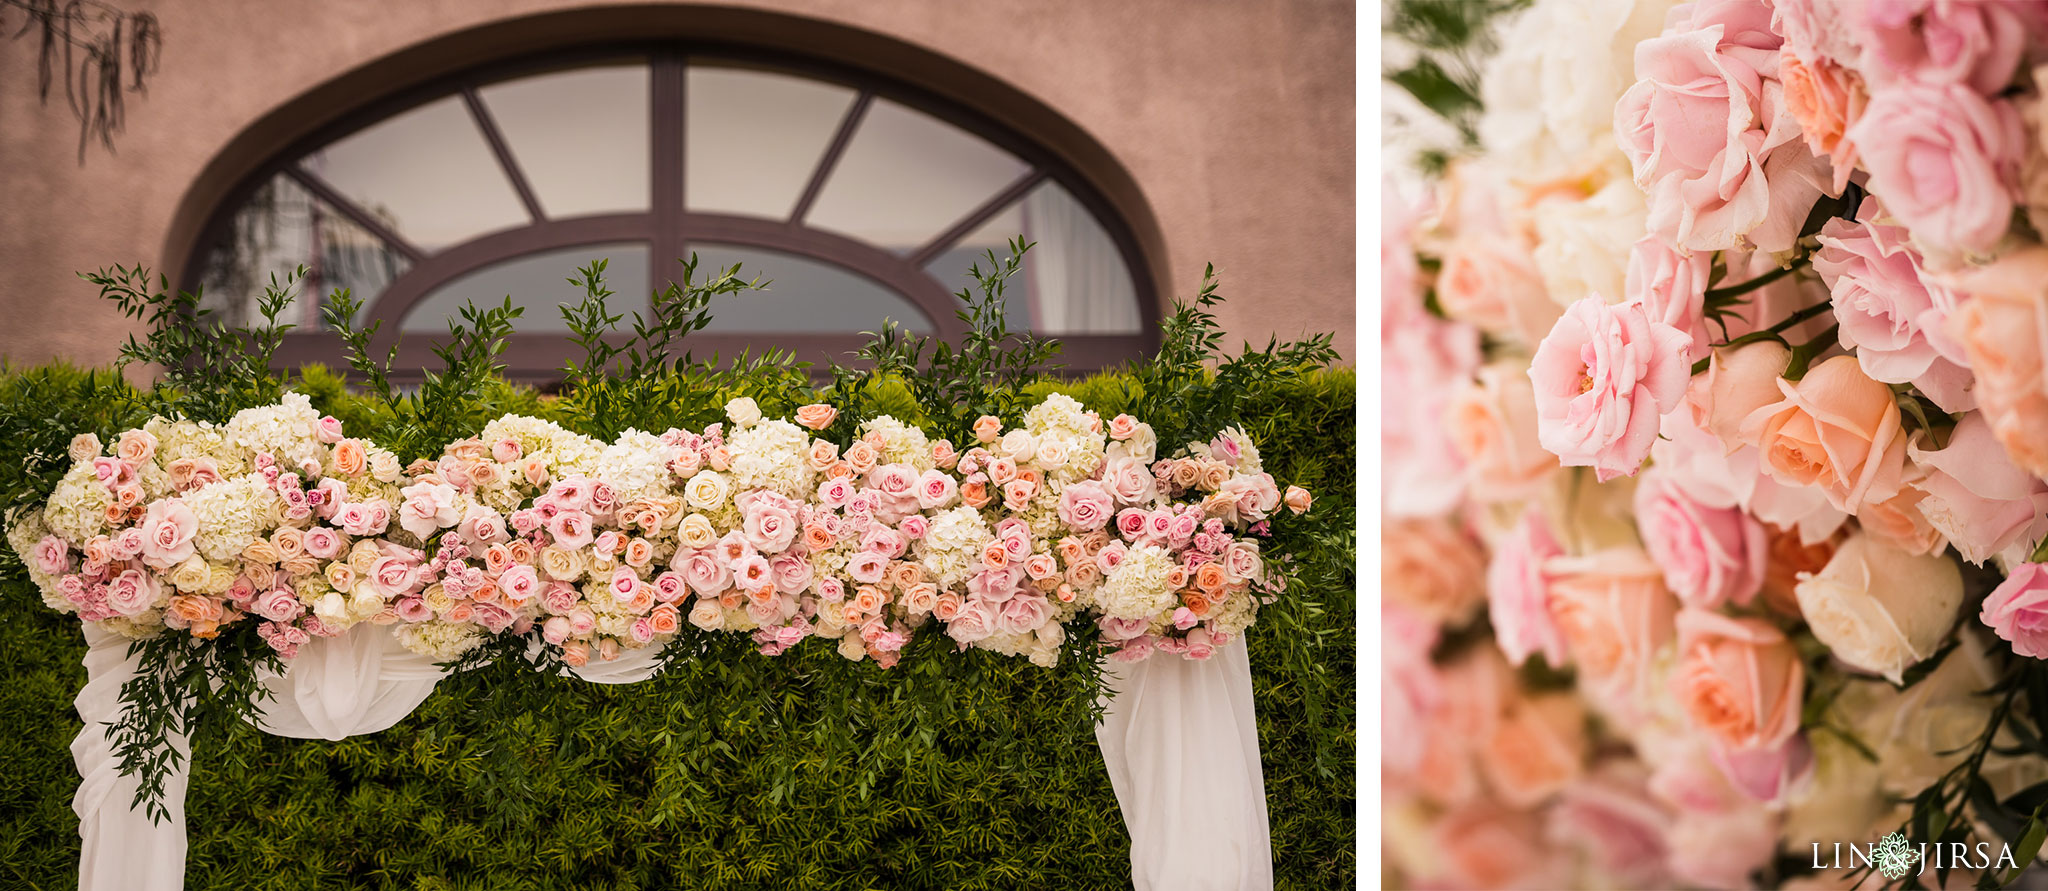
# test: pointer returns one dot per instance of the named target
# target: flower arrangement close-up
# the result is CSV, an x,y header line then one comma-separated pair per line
x,y
1715,530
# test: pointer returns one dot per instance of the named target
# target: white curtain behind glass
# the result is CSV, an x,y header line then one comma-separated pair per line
x,y
1079,281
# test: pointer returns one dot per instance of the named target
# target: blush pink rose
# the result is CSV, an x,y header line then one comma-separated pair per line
x,y
1707,133
167,531
1602,378
1710,555
133,592
1890,315
2018,610
1946,161
1671,286
278,605
1538,747
1974,495
1491,281
1610,815
1740,681
1516,584
1973,44
1422,359
52,556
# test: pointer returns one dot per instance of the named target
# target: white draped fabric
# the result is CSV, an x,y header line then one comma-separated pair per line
x,y
1179,739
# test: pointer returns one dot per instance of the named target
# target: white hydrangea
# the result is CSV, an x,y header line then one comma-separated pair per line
x,y
1138,588
439,640
1236,614
771,455
636,465
24,529
288,430
566,453
78,507
142,627
1060,417
953,543
232,513
901,443
195,439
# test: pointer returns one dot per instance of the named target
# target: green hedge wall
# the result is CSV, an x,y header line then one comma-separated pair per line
x,y
1003,798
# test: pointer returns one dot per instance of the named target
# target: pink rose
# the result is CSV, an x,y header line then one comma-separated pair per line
x,y
2018,610
1515,591
975,622
769,527
1671,286
278,605
914,526
1826,99
52,556
1129,481
706,575
394,576
519,584
133,592
1946,161
1602,378
792,574
1612,817
168,529
867,567
1023,614
1975,497
1084,506
1423,359
835,493
506,451
571,529
1890,315
1708,135
428,507
328,430
936,489
1973,44
323,542
1710,555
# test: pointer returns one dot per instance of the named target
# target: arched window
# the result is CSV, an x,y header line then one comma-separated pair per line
x,y
860,198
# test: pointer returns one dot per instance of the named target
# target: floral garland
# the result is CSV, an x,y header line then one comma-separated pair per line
x,y
277,518
1717,432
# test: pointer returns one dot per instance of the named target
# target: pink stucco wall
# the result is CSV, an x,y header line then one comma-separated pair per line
x,y
1235,119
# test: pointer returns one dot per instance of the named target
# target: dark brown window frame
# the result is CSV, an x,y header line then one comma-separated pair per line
x,y
667,228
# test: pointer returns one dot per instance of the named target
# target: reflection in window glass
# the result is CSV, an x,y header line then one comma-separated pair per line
x,y
280,228
1074,280
538,282
906,176
803,295
427,173
579,136
753,138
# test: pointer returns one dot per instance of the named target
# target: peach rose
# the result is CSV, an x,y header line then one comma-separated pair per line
x,y
350,457
1298,499
2003,330
1493,283
1835,429
816,416
1738,381
1492,426
1431,565
822,455
1739,680
1615,614
1537,748
986,427
1827,99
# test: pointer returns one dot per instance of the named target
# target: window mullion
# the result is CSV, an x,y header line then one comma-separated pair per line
x,y
833,150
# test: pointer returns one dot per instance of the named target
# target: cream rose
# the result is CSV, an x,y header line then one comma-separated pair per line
x,y
1880,608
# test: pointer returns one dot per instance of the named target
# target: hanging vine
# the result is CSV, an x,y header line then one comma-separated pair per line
x,y
105,52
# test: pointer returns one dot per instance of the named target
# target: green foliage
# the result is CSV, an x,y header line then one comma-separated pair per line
x,y
985,374
728,770
210,370
1448,39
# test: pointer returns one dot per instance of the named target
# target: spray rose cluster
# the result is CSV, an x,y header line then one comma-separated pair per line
x,y
755,527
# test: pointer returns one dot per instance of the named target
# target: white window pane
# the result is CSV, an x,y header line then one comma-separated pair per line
x,y
753,138
280,228
427,173
580,137
906,176
540,283
803,295
1073,281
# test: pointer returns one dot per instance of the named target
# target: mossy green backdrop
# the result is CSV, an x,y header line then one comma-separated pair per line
x,y
684,781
